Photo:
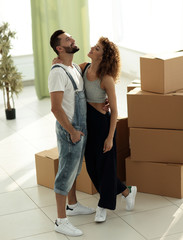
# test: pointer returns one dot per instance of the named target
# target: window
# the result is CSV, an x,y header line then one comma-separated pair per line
x,y
143,25
102,21
18,15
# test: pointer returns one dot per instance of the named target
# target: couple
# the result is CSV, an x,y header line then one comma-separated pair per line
x,y
83,126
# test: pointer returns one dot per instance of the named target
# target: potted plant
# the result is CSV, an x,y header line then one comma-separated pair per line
x,y
10,78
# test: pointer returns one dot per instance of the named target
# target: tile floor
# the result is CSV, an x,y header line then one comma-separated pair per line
x,y
27,211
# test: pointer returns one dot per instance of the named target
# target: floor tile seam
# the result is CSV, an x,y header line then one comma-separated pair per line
x,y
173,234
22,136
97,197
32,139
135,229
3,120
40,114
34,235
19,212
44,213
93,221
51,205
141,211
37,206
177,205
149,210
84,224
24,191
13,180
38,186
88,223
29,210
31,108
29,142
116,214
12,128
16,190
3,169
87,198
166,198
35,202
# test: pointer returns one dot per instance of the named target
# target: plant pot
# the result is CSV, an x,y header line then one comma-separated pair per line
x,y
10,114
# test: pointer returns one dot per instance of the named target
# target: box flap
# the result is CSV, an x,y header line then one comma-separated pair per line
x,y
138,91
52,153
134,91
178,94
136,81
165,55
148,56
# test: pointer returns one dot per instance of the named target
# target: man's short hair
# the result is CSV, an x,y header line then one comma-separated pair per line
x,y
54,40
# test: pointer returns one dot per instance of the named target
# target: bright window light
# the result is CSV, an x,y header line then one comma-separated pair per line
x,y
143,25
18,15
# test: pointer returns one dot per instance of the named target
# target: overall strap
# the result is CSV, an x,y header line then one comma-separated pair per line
x,y
78,68
86,67
69,75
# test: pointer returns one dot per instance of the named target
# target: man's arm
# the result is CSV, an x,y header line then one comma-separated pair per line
x,y
60,115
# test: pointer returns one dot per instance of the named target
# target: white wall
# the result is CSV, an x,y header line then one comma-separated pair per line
x,y
130,60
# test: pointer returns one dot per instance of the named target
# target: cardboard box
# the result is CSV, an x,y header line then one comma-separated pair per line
x,y
46,167
162,73
84,183
151,110
135,83
122,135
122,146
132,86
156,145
155,178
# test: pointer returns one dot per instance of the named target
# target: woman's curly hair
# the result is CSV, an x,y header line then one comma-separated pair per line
x,y
110,64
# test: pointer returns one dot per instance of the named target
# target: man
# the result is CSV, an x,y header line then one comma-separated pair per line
x,y
68,105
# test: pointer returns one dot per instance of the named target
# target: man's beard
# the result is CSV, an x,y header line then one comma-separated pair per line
x,y
71,49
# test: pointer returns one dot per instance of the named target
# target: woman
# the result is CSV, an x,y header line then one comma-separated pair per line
x,y
99,78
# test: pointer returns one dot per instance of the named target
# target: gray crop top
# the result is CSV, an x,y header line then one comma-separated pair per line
x,y
94,93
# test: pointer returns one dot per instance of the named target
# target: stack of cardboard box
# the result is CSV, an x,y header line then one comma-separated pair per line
x,y
155,118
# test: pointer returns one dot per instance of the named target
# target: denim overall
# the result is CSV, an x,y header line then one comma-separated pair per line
x,y
71,154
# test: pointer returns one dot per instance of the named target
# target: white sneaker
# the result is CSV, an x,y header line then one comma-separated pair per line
x,y
67,228
79,210
130,199
101,214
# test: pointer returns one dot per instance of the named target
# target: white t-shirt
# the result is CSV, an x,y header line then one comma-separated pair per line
x,y
58,80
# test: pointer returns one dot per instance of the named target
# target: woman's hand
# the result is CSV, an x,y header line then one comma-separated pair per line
x,y
56,60
108,144
106,106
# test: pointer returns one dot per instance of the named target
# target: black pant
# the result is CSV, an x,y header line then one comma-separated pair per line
x,y
101,166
